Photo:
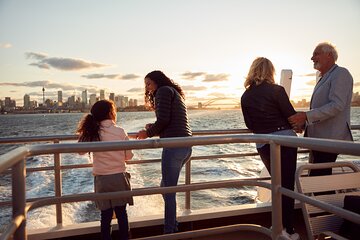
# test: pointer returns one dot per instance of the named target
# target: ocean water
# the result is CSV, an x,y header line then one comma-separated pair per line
x,y
40,184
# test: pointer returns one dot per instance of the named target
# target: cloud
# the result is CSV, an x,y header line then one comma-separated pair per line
x,y
357,84
217,95
311,82
192,75
193,88
135,90
206,77
52,86
111,76
64,64
216,77
308,75
5,45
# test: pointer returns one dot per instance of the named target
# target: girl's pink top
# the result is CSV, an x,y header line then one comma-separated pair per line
x,y
111,162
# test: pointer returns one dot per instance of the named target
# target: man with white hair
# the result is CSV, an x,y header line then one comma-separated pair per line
x,y
329,115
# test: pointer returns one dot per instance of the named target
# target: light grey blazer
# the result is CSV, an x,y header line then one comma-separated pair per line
x,y
329,115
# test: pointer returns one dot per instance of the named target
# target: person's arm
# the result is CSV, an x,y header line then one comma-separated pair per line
x,y
163,105
341,87
287,110
128,153
245,113
284,104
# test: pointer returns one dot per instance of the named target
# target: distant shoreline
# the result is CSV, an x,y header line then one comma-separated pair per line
x,y
127,110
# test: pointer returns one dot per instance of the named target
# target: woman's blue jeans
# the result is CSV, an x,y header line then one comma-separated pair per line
x,y
172,160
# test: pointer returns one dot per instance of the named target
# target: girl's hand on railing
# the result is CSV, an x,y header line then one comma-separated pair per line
x,y
142,134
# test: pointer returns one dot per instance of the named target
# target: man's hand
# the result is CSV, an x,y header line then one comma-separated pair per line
x,y
298,120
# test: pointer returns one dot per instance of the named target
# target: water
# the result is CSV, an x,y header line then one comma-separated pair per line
x,y
40,184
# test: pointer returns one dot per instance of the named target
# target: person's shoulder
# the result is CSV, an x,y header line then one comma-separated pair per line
x,y
273,86
118,129
343,72
165,90
246,92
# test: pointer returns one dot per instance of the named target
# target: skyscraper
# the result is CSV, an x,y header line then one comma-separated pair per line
x,y
60,100
112,97
26,101
84,98
102,94
92,99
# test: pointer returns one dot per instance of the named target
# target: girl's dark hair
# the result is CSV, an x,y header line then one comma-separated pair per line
x,y
89,127
160,79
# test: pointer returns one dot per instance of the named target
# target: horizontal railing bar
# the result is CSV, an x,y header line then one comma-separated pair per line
x,y
87,165
14,140
289,141
351,216
346,147
12,157
7,203
147,191
9,140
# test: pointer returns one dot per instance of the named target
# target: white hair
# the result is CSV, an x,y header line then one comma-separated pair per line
x,y
327,47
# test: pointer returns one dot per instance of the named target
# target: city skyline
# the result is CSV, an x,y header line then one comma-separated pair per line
x,y
85,97
205,47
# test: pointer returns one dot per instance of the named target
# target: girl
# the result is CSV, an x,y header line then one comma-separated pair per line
x,y
109,167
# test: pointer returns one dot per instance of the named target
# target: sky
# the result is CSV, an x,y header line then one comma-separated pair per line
x,y
206,46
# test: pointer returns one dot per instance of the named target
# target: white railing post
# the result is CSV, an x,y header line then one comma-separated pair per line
x,y
276,215
188,182
58,184
18,197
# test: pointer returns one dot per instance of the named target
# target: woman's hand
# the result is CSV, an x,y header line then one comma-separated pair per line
x,y
142,134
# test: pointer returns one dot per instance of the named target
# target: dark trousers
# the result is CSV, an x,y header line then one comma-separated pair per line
x,y
122,218
288,167
322,157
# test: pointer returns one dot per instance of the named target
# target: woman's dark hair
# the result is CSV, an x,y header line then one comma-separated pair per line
x,y
161,80
89,127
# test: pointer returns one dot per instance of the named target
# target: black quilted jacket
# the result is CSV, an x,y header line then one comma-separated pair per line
x,y
171,115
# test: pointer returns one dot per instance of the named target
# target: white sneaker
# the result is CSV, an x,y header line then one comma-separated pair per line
x,y
294,236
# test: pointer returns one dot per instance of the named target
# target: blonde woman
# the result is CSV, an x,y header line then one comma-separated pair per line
x,y
266,108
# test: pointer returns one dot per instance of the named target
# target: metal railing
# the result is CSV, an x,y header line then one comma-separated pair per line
x,y
16,160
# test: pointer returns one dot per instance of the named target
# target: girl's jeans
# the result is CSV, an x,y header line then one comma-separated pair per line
x,y
172,160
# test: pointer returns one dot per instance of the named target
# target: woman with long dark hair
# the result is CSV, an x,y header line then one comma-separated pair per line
x,y
167,99
109,167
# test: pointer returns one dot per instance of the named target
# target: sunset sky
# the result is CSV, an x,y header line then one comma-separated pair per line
x,y
207,46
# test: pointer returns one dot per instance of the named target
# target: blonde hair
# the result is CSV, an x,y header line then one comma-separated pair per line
x,y
261,70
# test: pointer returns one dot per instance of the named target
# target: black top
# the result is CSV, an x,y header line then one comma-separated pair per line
x,y
171,115
266,108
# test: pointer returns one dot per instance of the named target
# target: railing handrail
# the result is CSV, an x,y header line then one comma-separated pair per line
x,y
16,158
13,140
334,146
10,140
